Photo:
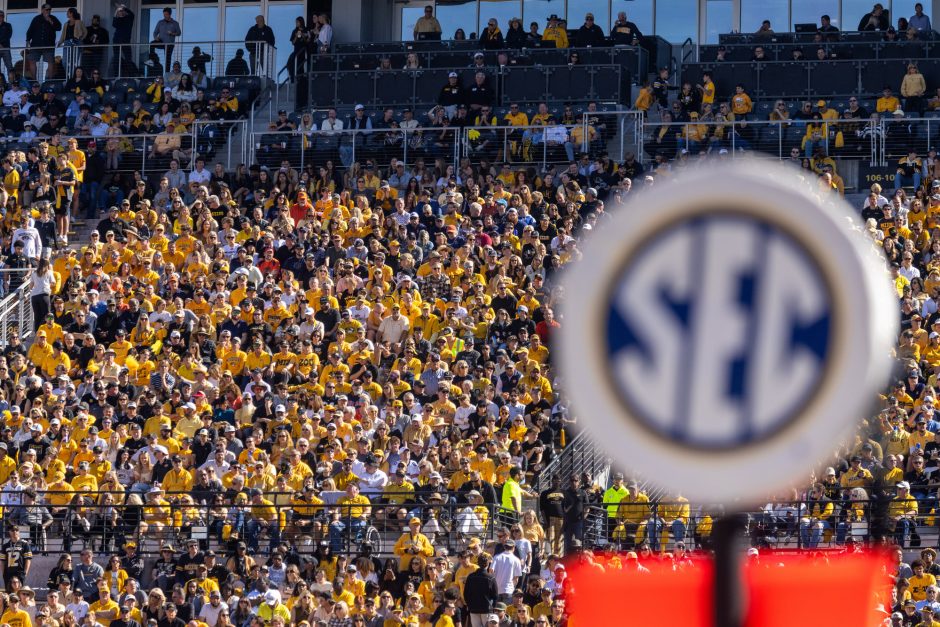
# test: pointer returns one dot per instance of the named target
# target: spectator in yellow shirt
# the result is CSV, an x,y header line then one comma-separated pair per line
x,y
354,511
741,104
412,544
888,103
555,32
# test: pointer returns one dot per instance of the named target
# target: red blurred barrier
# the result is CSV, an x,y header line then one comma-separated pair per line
x,y
783,590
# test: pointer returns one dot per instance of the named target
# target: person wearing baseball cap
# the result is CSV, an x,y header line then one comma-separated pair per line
x,y
902,512
412,544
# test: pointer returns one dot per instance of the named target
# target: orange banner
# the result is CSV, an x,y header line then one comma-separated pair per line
x,y
843,590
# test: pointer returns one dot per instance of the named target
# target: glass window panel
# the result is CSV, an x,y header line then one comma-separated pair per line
x,y
538,11
809,11
680,20
281,19
577,9
23,5
905,9
717,19
640,12
20,23
147,20
200,28
238,19
753,12
454,14
854,10
501,10
409,17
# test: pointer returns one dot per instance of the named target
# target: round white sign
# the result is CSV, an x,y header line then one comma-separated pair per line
x,y
725,330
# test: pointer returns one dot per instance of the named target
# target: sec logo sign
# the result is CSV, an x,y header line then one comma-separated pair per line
x,y
742,301
725,331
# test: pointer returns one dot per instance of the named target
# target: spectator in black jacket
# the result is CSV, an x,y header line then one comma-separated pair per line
x,y
480,591
876,19
574,507
96,37
40,39
112,223
237,66
256,36
552,510
491,38
480,94
590,34
6,34
624,31
516,36
452,95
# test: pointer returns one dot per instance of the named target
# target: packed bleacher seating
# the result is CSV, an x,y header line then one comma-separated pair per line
x,y
318,388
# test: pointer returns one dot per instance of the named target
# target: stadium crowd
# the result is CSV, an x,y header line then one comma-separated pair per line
x,y
324,395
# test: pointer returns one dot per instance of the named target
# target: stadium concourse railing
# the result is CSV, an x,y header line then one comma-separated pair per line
x,y
774,139
900,135
16,310
517,144
348,146
105,521
580,455
136,150
780,524
512,84
620,132
133,60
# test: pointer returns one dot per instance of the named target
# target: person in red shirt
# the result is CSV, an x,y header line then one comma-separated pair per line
x,y
268,264
298,211
547,327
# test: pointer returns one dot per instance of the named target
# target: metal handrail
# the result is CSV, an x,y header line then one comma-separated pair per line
x,y
733,140
332,80
116,61
16,310
87,519
580,454
923,143
349,140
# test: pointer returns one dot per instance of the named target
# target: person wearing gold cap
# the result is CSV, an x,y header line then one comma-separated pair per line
x,y
412,544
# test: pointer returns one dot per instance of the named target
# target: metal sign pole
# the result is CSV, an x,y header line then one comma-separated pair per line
x,y
729,590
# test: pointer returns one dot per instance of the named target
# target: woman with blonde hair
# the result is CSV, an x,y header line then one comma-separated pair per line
x,y
532,530
301,607
340,617
913,88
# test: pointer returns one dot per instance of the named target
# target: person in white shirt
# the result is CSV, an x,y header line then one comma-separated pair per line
x,y
907,270
12,95
331,123
200,175
217,462
78,607
555,134
97,128
372,479
394,326
507,569
27,233
25,105
209,614
325,37
360,311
